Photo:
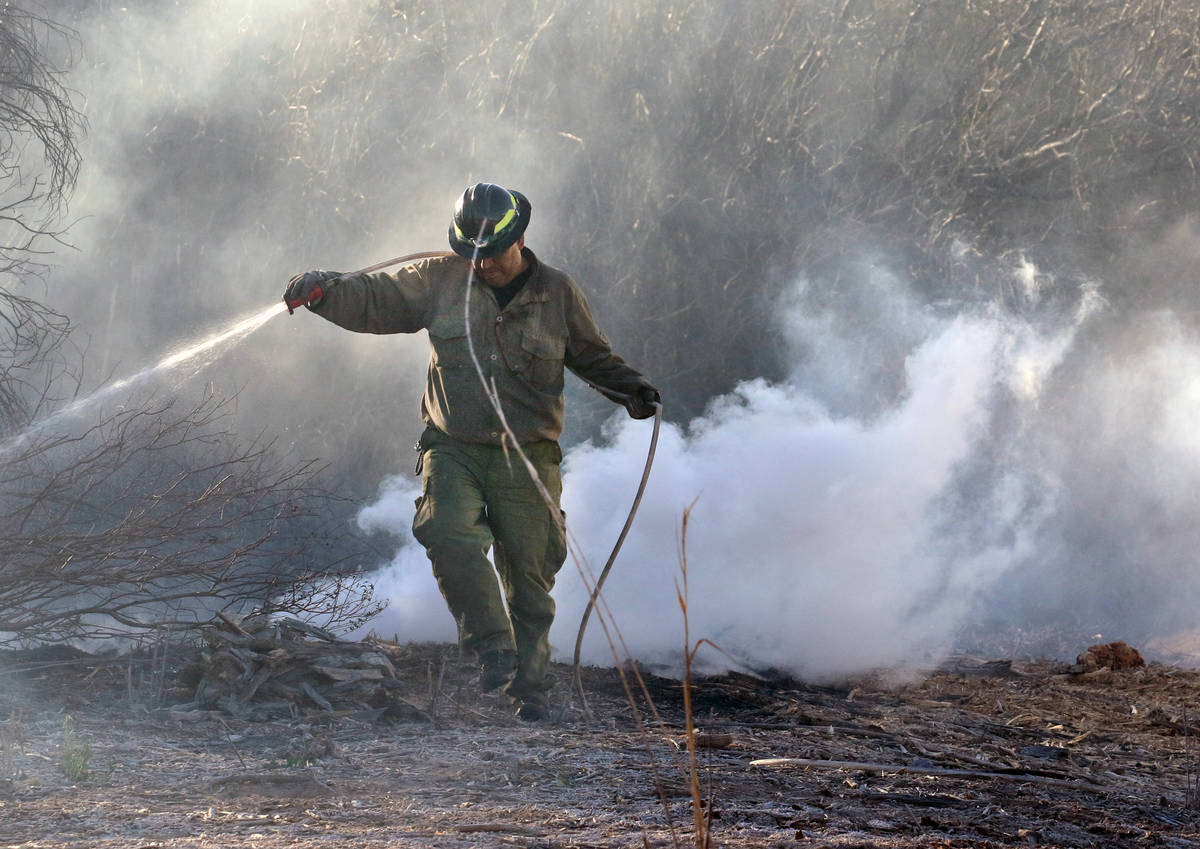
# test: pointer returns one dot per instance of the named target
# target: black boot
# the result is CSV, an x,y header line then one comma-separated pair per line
x,y
532,710
496,669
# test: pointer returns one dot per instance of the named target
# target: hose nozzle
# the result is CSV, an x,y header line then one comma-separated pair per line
x,y
314,295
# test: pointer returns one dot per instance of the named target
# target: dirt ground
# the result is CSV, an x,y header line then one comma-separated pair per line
x,y
978,753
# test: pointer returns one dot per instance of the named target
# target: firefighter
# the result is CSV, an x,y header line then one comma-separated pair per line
x,y
528,322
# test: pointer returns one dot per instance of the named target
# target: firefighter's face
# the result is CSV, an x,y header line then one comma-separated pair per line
x,y
500,270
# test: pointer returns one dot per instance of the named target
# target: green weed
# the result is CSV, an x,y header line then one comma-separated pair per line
x,y
76,753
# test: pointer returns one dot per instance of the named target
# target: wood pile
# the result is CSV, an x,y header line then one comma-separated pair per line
x,y
260,669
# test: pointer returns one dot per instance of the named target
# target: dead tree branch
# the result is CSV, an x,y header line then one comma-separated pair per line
x,y
152,515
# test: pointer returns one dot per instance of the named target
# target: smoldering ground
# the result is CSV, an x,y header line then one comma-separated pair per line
x,y
893,428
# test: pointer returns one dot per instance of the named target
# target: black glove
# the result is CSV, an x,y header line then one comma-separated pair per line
x,y
641,404
307,289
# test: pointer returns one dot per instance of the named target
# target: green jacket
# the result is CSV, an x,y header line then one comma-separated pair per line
x,y
522,348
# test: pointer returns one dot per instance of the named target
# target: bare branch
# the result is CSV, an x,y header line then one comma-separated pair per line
x,y
153,515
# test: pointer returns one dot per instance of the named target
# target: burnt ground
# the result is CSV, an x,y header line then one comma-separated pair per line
x,y
974,754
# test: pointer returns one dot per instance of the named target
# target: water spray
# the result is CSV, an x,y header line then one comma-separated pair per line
x,y
235,332
239,329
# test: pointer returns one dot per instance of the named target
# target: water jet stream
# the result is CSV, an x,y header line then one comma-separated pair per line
x,y
241,328
235,332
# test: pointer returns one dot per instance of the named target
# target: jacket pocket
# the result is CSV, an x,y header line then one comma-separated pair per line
x,y
449,342
542,358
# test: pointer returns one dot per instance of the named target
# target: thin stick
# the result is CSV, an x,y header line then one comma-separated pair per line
x,y
901,769
1190,796
702,834
510,441
229,737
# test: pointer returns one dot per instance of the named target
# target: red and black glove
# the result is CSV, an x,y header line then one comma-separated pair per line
x,y
307,289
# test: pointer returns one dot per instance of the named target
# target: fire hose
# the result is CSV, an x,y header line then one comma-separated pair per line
x,y
637,500
319,292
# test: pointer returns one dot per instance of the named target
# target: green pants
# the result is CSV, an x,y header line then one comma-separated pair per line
x,y
475,497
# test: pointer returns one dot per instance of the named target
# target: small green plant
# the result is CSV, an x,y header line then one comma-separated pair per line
x,y
76,753
295,759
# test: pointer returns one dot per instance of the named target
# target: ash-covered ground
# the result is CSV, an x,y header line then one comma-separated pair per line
x,y
977,753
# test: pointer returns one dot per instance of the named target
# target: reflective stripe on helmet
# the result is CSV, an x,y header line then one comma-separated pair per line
x,y
508,218
505,220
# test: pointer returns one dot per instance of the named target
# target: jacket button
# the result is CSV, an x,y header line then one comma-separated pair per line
x,y
492,357
499,318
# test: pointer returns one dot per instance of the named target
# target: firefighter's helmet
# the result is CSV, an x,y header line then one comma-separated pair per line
x,y
487,220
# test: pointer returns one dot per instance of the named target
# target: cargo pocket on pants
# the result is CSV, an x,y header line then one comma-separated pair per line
x,y
556,547
420,517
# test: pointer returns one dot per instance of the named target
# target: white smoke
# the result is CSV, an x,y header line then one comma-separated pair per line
x,y
415,609
817,544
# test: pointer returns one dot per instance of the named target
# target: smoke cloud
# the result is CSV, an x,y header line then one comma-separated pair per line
x,y
818,544
966,424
